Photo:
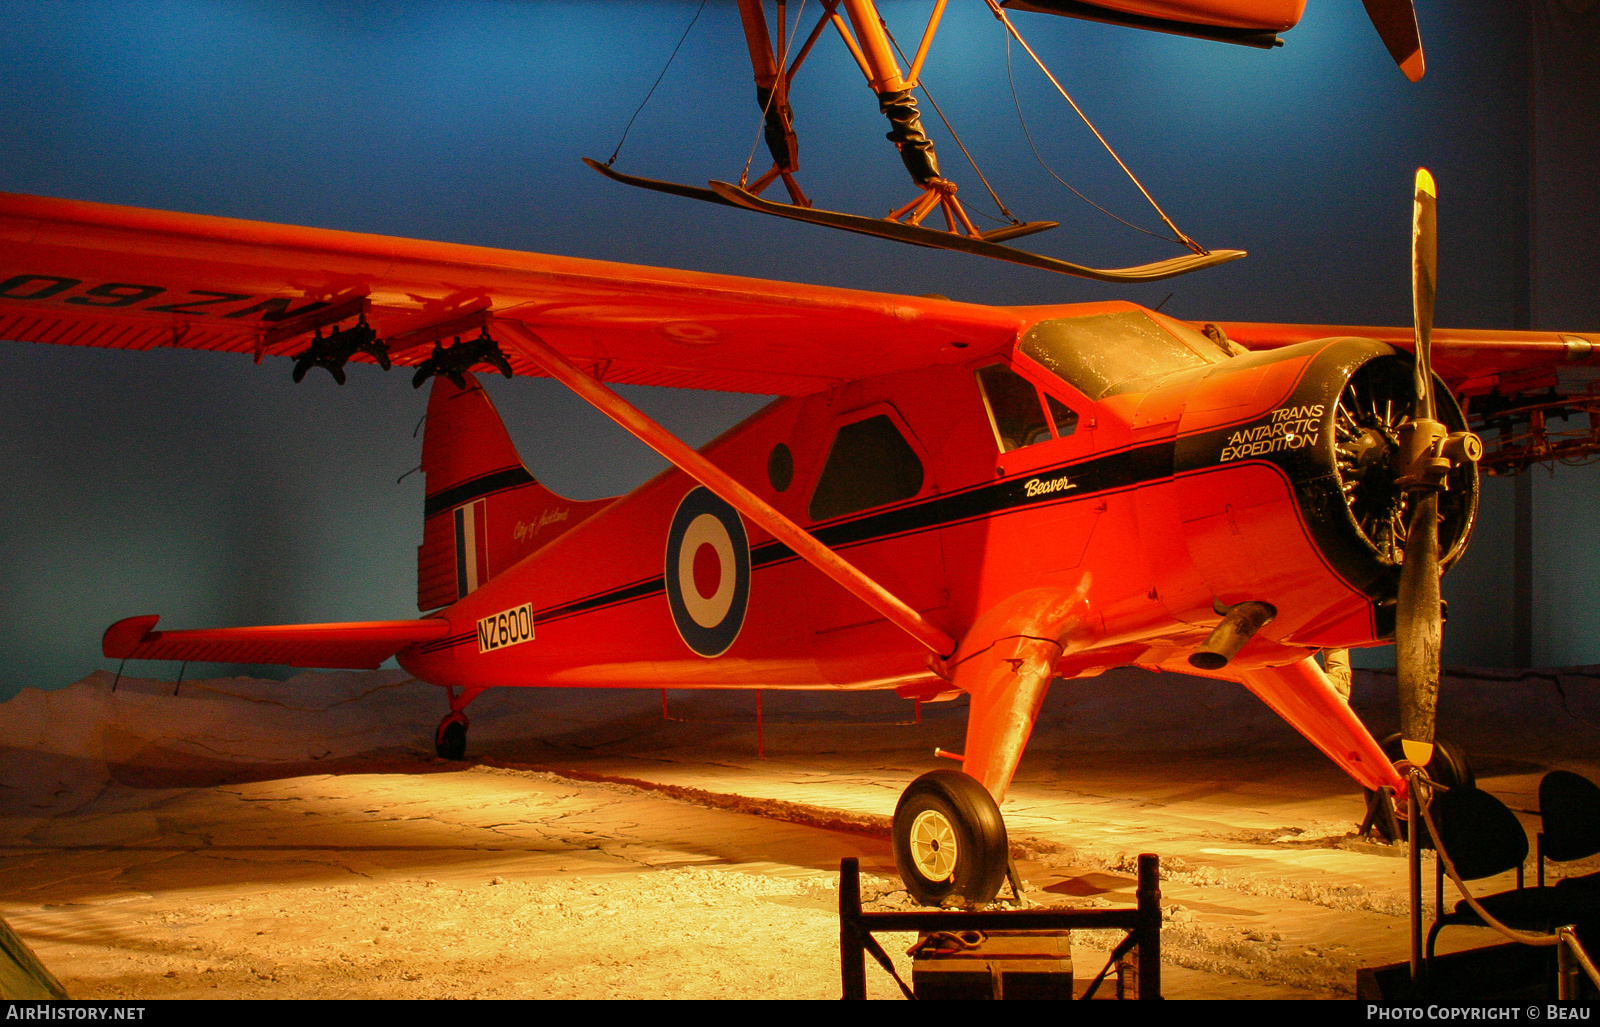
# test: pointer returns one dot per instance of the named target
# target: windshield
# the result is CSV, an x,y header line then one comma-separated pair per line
x,y
1105,354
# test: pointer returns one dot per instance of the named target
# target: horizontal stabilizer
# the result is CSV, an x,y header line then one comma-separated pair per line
x,y
358,646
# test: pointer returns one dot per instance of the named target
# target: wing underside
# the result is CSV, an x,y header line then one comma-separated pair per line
x,y
91,274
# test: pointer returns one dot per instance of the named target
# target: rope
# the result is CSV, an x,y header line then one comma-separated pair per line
x,y
1563,935
1017,102
629,127
1012,30
1536,940
783,64
949,128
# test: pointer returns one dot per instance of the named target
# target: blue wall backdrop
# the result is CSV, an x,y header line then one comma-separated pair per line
x,y
215,492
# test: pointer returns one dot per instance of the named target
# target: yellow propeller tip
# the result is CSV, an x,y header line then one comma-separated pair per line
x,y
1416,753
1425,182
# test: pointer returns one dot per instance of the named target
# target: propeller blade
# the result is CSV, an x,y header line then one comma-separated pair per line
x,y
1418,619
1424,275
1418,631
1396,22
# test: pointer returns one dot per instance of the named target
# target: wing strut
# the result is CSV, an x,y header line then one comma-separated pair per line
x,y
520,337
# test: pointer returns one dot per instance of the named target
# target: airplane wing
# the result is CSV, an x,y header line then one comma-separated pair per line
x,y
92,274
358,646
1470,360
1533,397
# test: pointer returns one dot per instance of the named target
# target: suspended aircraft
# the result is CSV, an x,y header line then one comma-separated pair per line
x,y
946,499
776,60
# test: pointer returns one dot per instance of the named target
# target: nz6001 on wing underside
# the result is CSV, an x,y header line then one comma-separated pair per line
x,y
946,498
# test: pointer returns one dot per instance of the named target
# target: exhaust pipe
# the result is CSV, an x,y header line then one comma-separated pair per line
x,y
1239,624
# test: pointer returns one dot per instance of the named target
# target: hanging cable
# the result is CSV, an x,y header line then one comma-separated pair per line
x,y
1017,101
783,64
613,159
949,128
1195,247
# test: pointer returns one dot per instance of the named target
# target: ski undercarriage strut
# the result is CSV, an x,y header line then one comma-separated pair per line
x,y
869,42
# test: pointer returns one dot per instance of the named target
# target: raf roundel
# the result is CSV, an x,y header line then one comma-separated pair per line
x,y
707,572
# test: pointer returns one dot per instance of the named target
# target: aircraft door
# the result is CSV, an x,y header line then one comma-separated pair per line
x,y
865,504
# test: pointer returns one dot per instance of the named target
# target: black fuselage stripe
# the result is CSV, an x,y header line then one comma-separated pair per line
x,y
1107,473
467,491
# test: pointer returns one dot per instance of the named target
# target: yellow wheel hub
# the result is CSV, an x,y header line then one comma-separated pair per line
x,y
933,845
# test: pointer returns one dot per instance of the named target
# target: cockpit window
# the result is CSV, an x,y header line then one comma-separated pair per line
x,y
1106,354
1065,417
1014,409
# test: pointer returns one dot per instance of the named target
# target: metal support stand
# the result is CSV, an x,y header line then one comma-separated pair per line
x,y
1566,967
1414,874
1143,924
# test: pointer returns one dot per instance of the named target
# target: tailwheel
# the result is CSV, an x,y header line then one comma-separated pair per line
x,y
450,741
1448,767
950,840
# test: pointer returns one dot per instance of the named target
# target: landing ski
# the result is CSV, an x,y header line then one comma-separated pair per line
x,y
675,188
932,237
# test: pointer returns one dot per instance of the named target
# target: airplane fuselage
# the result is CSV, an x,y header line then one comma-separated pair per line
x,y
1177,476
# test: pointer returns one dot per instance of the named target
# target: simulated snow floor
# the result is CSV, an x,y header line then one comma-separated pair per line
x,y
298,839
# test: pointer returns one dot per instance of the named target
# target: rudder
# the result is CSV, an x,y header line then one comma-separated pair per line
x,y
484,511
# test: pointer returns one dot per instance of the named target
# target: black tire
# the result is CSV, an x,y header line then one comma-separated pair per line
x,y
941,809
451,743
1449,767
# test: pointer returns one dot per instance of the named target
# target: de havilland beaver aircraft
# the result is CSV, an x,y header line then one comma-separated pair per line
x,y
944,499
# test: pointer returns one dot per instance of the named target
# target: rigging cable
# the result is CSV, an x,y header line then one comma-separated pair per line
x,y
1012,30
744,176
949,128
613,159
1017,101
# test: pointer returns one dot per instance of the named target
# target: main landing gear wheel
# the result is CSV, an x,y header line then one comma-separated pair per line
x,y
949,840
450,742
1449,767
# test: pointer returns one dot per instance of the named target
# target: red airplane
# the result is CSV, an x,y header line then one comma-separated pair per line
x,y
945,498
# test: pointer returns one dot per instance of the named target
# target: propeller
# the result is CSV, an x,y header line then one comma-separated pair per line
x,y
1417,618
1426,455
1396,22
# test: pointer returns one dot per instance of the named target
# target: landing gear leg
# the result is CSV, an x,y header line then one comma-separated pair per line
x,y
450,738
950,841
772,93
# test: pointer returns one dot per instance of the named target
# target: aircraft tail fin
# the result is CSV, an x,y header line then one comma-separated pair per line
x,y
484,511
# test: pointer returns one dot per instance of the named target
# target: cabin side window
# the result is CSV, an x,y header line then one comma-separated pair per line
x,y
869,464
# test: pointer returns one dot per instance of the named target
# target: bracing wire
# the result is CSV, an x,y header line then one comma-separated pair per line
x,y
783,63
612,160
1011,30
1017,101
951,129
